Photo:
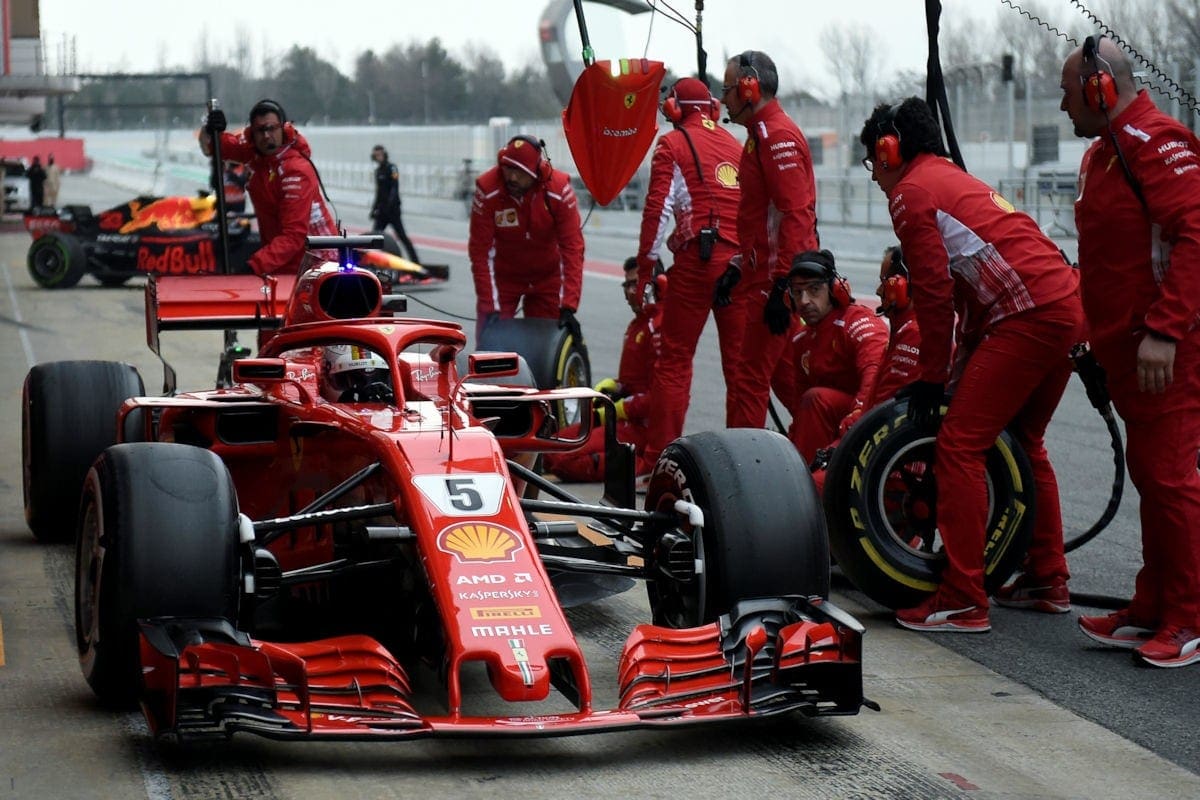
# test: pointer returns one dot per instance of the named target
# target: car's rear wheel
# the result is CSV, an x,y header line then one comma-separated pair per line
x,y
56,260
763,533
881,500
68,416
158,536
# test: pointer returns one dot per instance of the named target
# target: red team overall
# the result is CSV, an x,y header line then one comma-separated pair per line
x,y
777,219
693,182
984,276
525,244
1138,216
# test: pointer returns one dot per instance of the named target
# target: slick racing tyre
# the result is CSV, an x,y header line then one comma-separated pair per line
x,y
158,537
557,360
763,533
56,260
880,502
68,416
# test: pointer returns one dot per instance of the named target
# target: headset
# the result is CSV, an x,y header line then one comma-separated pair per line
x,y
1099,88
748,89
544,167
895,285
887,145
839,287
267,106
672,107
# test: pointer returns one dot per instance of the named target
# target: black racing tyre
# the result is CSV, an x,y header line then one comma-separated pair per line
x,y
158,537
56,260
68,416
557,360
880,502
763,534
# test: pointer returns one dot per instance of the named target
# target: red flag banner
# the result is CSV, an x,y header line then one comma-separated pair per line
x,y
611,122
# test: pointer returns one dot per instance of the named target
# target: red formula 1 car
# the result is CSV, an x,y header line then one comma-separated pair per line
x,y
170,236
280,556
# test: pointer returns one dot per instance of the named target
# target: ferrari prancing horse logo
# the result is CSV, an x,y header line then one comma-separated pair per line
x,y
630,99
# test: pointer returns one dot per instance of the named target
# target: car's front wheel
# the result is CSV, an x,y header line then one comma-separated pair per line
x,y
158,537
763,533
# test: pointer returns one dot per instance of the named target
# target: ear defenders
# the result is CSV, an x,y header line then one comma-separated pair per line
x,y
748,88
1099,88
266,106
895,285
672,107
839,286
544,168
887,144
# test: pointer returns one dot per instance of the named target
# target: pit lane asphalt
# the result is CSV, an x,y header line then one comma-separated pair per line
x,y
1030,710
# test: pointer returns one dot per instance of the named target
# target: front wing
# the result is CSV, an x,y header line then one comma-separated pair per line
x,y
204,680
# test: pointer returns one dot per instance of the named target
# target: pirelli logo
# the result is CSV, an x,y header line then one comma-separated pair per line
x,y
506,612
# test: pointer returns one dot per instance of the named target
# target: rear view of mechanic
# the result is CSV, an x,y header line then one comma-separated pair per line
x,y
777,219
630,390
985,276
694,181
837,352
283,185
385,209
526,242
1138,217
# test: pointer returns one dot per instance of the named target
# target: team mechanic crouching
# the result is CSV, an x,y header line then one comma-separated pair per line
x,y
837,353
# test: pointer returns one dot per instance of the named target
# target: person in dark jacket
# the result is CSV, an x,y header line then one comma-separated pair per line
x,y
37,182
386,208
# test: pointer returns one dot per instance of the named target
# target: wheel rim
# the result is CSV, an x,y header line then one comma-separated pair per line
x,y
574,374
680,603
88,581
907,500
49,262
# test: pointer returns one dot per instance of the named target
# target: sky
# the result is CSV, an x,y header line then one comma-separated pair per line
x,y
169,36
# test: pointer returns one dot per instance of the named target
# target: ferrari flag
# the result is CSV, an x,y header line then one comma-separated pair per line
x,y
611,122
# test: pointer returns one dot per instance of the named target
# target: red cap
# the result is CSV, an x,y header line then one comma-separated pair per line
x,y
522,154
692,95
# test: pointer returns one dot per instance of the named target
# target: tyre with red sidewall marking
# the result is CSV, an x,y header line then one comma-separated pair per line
x,y
763,533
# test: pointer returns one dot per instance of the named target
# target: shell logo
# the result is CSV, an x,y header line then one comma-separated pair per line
x,y
727,174
479,543
630,99
1002,204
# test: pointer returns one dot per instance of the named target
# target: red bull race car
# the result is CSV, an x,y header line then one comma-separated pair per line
x,y
170,236
283,556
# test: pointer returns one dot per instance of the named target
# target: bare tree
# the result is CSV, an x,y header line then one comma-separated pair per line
x,y
852,57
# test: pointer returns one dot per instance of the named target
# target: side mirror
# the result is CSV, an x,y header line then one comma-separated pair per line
x,y
260,371
492,365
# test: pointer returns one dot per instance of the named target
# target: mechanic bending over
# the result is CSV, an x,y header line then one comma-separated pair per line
x,y
526,241
899,365
777,218
283,185
630,390
385,209
1138,217
694,178
985,276
837,353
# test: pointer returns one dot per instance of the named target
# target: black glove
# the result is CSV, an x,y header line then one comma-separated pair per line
x,y
924,403
566,319
214,121
777,313
729,279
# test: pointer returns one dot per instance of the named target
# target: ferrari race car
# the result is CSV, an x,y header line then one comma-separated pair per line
x,y
170,236
282,556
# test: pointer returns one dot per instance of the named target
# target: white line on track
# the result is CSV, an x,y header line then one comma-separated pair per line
x,y
16,309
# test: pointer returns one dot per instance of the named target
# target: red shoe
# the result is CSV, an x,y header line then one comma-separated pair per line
x,y
934,614
1171,647
1118,629
1048,596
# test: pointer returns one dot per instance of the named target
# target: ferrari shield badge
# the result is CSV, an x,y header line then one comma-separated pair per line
x,y
611,122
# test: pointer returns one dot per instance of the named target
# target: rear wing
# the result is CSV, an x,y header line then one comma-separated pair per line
x,y
212,302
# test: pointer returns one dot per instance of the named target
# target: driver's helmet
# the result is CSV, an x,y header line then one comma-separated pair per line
x,y
348,371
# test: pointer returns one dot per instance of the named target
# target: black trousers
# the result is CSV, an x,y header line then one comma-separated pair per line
x,y
392,217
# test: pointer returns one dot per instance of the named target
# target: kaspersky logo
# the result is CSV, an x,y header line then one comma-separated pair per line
x,y
479,543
